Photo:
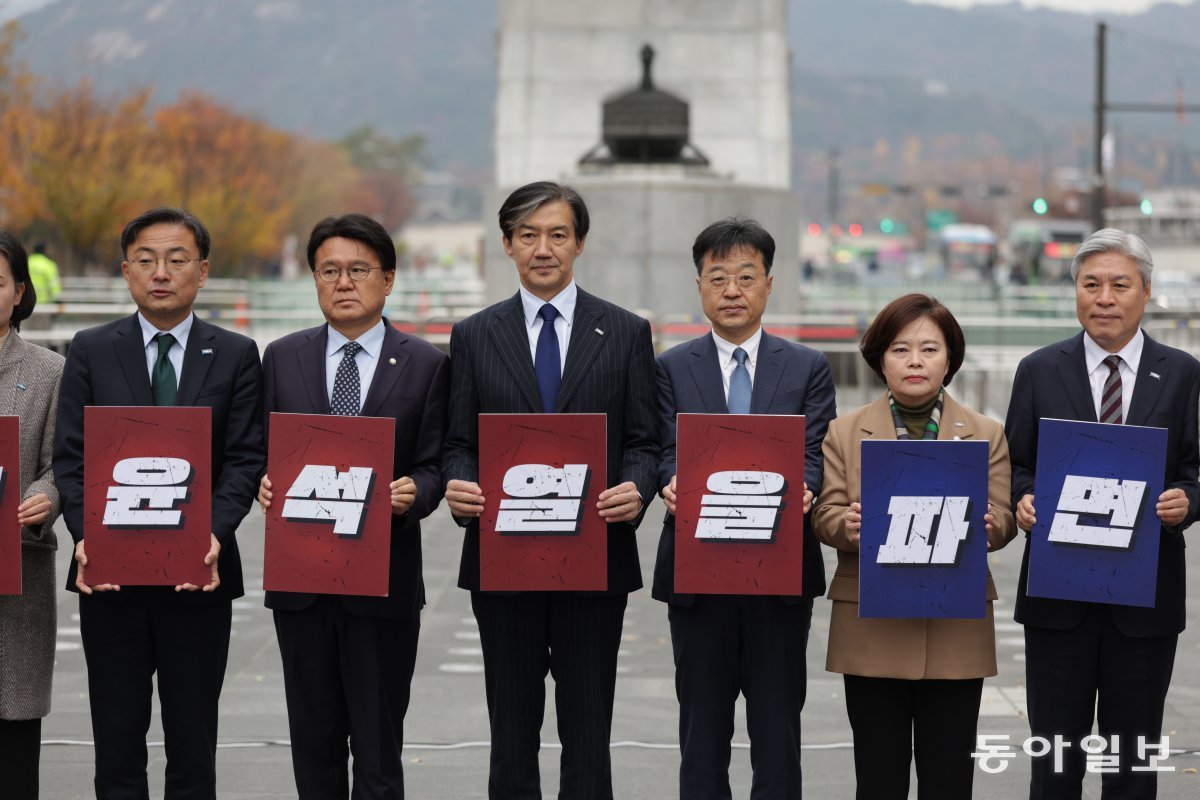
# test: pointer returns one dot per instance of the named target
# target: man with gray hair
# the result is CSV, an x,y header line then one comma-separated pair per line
x,y
1110,372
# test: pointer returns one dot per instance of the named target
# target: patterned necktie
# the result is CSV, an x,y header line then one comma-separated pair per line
x,y
547,364
1110,396
346,385
740,386
163,383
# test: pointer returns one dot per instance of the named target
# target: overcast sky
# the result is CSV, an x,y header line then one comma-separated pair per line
x,y
12,8
1119,6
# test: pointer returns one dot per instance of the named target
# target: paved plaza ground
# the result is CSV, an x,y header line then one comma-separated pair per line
x,y
446,754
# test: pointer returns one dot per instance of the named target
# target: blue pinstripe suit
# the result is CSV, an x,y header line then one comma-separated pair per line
x,y
573,635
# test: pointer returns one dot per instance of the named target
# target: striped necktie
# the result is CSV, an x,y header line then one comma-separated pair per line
x,y
1110,396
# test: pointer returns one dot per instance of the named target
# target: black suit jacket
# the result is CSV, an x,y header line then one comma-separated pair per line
x,y
412,391
609,369
1053,383
106,366
789,378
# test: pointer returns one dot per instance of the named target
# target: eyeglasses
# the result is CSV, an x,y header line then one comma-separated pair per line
x,y
357,272
173,263
745,281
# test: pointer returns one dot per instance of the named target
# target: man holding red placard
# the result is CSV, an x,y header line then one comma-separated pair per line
x,y
162,356
552,348
348,661
753,644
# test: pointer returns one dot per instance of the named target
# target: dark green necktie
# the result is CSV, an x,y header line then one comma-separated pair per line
x,y
162,379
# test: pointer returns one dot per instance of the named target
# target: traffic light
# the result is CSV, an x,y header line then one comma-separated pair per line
x,y
1040,206
886,225
855,229
1146,207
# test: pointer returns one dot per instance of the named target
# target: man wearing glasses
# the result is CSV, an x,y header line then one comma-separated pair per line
x,y
726,644
348,661
162,355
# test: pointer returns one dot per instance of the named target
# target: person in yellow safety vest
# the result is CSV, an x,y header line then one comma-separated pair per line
x,y
43,272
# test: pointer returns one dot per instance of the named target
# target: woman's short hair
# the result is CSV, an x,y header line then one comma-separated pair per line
x,y
18,263
898,314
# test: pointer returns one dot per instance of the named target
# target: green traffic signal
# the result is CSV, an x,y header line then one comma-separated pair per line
x,y
1040,206
1146,207
886,225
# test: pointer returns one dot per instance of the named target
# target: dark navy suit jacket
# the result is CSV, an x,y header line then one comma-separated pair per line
x,y
609,370
789,378
106,366
412,391
1053,383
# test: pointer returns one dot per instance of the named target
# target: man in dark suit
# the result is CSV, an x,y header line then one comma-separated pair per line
x,y
1074,651
162,355
726,644
552,348
348,661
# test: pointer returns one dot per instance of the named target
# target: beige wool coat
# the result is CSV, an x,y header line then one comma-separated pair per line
x,y
904,648
29,381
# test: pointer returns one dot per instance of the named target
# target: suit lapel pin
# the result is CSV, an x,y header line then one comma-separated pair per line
x,y
206,351
599,331
392,361
21,386
958,425
1156,376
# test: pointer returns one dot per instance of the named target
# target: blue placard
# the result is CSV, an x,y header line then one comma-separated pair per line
x,y
923,551
1096,537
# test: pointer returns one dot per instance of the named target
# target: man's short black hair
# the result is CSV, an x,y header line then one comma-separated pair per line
x,y
358,227
521,204
733,233
166,216
18,263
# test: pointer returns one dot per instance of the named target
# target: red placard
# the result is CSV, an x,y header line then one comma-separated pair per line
x,y
542,475
10,498
147,494
739,523
329,527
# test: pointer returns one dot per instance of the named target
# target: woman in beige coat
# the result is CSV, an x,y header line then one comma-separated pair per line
x,y
909,680
29,380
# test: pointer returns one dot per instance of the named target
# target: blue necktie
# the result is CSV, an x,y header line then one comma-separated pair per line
x,y
739,385
547,364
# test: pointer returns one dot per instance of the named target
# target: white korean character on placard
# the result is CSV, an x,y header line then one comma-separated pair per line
x,y
321,493
147,493
542,499
744,506
1119,502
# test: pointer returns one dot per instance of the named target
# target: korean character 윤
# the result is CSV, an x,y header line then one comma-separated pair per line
x,y
1152,753
1039,747
1097,760
993,752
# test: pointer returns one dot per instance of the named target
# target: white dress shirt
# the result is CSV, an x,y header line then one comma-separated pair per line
x,y
366,359
564,301
1131,357
175,354
729,363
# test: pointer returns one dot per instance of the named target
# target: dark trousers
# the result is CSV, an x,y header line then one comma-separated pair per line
x,y
128,637
20,751
894,720
575,639
1066,671
346,678
754,645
